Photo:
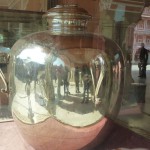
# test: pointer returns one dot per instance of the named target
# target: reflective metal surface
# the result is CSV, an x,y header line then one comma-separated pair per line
x,y
52,76
67,18
65,79
68,84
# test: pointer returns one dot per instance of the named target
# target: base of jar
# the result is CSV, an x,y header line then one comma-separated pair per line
x,y
53,134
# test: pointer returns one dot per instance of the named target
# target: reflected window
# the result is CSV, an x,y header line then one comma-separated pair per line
x,y
148,39
141,25
140,39
148,24
120,12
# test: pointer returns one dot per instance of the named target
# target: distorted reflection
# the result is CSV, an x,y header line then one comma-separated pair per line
x,y
66,79
57,88
98,75
77,74
87,82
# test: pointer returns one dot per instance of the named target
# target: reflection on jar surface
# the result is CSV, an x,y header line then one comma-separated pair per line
x,y
63,82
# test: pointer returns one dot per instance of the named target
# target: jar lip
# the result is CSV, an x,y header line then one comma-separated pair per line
x,y
65,5
67,17
67,10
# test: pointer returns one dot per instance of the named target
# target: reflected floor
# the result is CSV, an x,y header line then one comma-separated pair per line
x,y
68,110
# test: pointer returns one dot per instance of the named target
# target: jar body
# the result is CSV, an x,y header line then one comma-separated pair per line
x,y
63,85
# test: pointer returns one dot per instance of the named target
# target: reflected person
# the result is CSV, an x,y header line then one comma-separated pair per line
x,y
59,74
143,61
87,81
66,80
77,79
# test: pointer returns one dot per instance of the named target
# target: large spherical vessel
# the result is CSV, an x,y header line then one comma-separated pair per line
x,y
64,81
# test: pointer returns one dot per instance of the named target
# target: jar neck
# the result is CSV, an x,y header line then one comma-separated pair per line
x,y
67,18
67,2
